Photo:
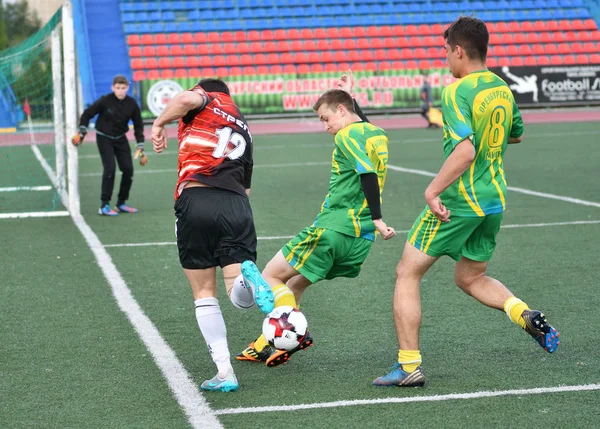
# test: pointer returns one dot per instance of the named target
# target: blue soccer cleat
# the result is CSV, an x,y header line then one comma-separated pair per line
x,y
398,377
538,327
263,295
105,210
123,208
217,384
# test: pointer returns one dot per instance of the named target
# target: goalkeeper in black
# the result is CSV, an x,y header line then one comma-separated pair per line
x,y
114,111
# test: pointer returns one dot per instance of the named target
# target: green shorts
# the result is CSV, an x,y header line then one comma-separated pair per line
x,y
471,237
319,253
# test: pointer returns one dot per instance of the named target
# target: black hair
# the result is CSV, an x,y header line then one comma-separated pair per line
x,y
471,34
214,85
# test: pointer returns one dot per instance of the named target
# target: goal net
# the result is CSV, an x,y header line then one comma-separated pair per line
x,y
38,171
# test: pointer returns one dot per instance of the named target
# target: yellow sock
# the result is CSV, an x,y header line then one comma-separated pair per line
x,y
283,296
514,308
409,359
260,343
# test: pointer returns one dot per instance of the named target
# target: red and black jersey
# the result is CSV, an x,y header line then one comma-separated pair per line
x,y
215,145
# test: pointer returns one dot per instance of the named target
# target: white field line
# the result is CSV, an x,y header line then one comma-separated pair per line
x,y
183,387
409,399
26,188
197,410
33,214
287,237
510,188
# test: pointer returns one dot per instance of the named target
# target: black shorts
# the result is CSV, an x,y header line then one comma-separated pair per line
x,y
214,227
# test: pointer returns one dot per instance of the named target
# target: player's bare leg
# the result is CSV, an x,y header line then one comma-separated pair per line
x,y
407,318
298,285
212,325
470,277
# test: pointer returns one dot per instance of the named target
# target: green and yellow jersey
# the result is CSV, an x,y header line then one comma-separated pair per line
x,y
481,107
360,148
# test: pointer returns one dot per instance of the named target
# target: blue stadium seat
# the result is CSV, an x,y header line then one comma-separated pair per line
x,y
168,27
195,14
128,17
154,16
130,28
138,6
144,27
126,7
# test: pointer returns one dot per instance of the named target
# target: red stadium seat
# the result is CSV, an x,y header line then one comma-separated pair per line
x,y
181,73
516,61
139,75
583,59
320,33
173,38
420,53
495,39
167,74
249,70
576,48
385,65
147,39
584,36
537,50
503,61
189,50
293,34
200,38
376,43
569,59
346,33
373,31
196,73
187,38
205,61
564,25
512,50
551,49
246,60
543,60
595,35
260,59
530,61
411,65
160,39
371,66
176,50
424,30
227,37
297,45
310,45
389,42
416,42
438,29
507,38
424,65
135,51
589,48
380,55
213,37
317,68
270,47
558,36
243,48
412,30
254,36
533,38
256,47
306,33
289,68
324,57
323,45
215,49
539,26
153,74
398,30
202,50
163,63
240,36
526,26
192,62
133,39
360,32
354,56
149,51
235,71
594,59
577,24
499,51
398,65
393,54
331,67
232,60
230,49
501,27
363,43
431,41
406,54
367,55
349,44
563,48
287,58
303,69
162,51
386,31
333,33
266,35
556,60
339,56
276,69
337,44
590,24
150,63
221,72
514,27
137,64
520,38
552,26
283,46
546,37
572,36
219,61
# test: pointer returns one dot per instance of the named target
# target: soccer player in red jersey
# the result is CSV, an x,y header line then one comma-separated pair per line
x,y
214,226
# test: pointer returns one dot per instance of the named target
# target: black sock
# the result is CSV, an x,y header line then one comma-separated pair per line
x,y
120,203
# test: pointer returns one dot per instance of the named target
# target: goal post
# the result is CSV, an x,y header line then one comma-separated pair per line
x,y
38,115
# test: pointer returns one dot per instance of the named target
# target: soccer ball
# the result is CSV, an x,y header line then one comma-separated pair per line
x,y
285,327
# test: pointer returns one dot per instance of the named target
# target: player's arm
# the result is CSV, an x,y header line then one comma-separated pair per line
x,y
456,114
248,169
516,132
138,125
368,179
179,106
84,120
359,112
346,83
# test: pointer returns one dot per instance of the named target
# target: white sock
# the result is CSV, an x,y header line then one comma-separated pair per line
x,y
241,297
212,325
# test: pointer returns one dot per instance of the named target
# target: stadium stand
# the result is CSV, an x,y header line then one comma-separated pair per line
x,y
179,39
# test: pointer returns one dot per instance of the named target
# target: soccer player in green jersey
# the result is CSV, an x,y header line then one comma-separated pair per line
x,y
339,240
465,201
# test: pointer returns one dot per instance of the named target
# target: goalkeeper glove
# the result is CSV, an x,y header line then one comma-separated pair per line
x,y
139,153
77,139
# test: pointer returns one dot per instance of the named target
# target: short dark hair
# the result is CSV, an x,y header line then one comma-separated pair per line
x,y
214,85
120,79
333,98
471,34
